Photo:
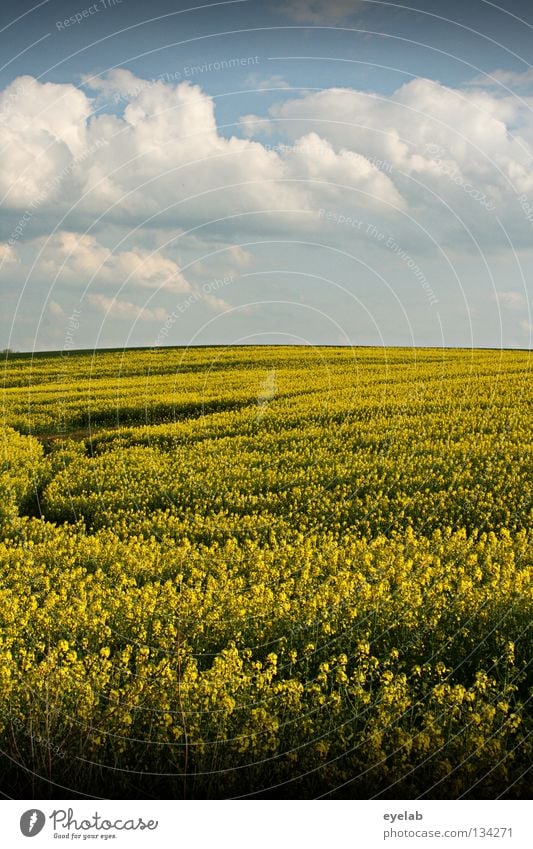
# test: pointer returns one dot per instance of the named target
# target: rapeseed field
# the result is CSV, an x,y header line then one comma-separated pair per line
x,y
266,572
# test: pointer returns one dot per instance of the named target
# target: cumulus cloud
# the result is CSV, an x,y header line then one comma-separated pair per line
x,y
163,158
78,259
149,154
141,163
467,150
511,300
118,86
514,80
471,126
121,309
217,304
56,310
317,160
43,128
239,256
7,254
250,125
261,83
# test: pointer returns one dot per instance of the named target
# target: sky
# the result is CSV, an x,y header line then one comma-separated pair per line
x,y
244,172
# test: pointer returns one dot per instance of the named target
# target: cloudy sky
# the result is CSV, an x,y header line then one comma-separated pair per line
x,y
312,172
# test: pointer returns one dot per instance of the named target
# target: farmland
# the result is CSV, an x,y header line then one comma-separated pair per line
x,y
258,571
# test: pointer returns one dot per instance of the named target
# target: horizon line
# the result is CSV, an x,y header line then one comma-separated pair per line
x,y
11,353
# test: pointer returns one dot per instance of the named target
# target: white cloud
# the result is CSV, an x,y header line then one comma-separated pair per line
x,y
514,80
316,159
511,300
419,113
250,125
56,310
465,146
164,153
7,254
120,85
43,128
165,158
121,309
261,83
77,260
240,256
216,304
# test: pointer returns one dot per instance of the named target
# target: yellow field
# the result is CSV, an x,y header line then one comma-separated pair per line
x,y
276,571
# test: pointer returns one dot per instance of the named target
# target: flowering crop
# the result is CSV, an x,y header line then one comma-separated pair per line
x,y
259,571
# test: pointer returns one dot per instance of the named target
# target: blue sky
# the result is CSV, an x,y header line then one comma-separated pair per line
x,y
342,172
